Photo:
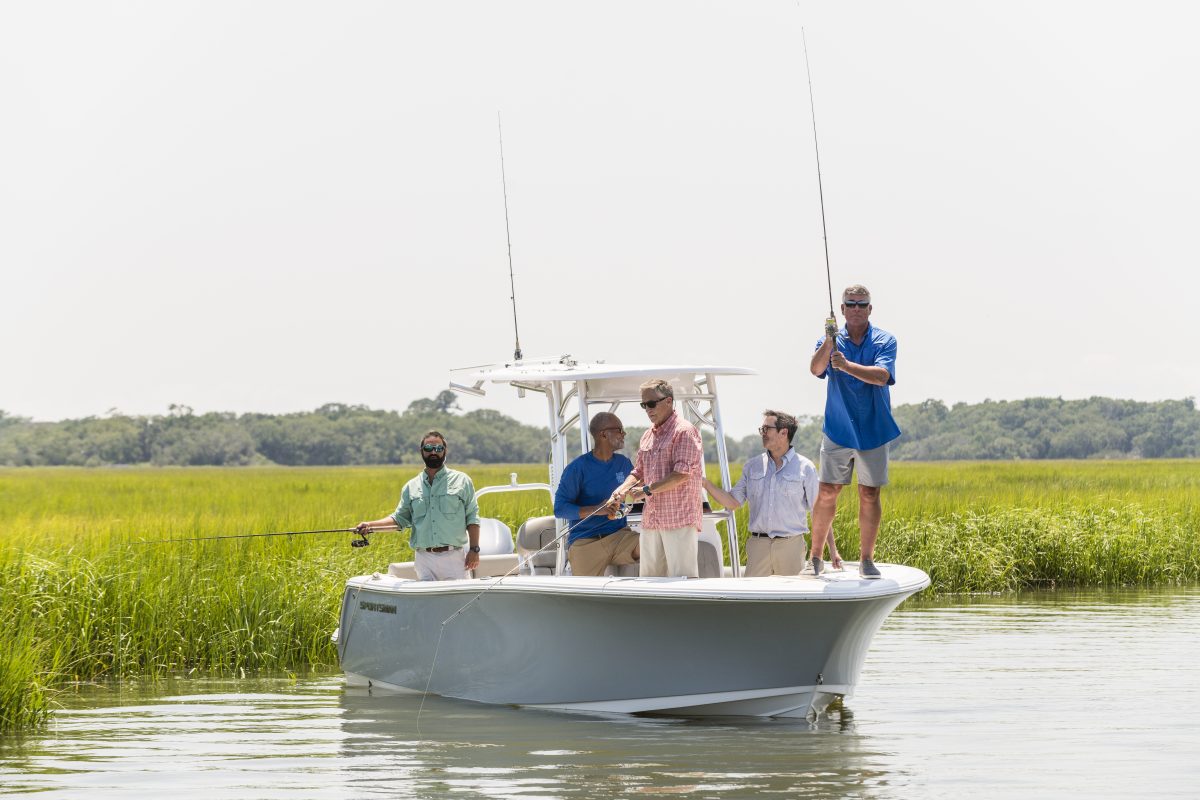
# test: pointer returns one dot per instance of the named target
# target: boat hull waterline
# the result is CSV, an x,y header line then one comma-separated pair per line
x,y
780,646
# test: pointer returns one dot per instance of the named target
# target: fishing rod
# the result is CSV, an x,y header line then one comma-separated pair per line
x,y
820,188
508,236
361,542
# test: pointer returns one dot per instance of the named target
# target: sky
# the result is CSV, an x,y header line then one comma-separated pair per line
x,y
270,206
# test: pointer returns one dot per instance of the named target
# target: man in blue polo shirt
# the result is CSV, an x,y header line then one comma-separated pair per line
x,y
859,363
598,541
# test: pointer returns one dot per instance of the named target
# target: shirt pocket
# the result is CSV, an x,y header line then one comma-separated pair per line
x,y
420,508
450,504
792,487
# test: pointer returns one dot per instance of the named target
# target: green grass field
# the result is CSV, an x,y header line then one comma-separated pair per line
x,y
89,601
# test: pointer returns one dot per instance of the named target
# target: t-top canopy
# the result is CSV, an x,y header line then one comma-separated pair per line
x,y
602,379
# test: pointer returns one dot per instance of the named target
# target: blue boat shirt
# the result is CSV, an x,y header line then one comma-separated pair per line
x,y
859,414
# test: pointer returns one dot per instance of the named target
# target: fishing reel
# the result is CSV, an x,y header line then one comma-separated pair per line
x,y
361,541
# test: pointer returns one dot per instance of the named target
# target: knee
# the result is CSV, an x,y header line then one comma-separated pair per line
x,y
828,493
868,494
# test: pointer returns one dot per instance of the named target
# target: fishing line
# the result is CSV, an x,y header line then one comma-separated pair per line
x,y
447,620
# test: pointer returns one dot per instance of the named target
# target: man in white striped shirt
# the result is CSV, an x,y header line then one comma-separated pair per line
x,y
781,486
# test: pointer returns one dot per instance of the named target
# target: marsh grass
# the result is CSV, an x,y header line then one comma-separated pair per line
x,y
85,597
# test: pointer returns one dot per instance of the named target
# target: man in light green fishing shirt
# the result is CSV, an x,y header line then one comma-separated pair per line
x,y
439,505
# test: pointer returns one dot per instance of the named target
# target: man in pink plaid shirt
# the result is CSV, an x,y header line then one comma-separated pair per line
x,y
666,474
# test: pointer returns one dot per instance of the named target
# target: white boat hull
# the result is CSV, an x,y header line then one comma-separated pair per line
x,y
712,647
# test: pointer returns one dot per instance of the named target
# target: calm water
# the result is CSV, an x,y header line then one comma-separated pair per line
x,y
1088,694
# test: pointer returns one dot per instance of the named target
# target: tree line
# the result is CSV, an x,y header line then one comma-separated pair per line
x,y
338,434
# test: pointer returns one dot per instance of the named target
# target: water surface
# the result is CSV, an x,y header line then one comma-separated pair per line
x,y
1039,695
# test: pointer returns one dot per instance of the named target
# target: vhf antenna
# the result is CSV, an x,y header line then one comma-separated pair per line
x,y
820,189
508,236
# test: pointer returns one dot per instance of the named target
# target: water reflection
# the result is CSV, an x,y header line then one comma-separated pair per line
x,y
1094,693
503,752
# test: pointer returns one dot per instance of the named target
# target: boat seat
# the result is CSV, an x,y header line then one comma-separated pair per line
x,y
496,565
708,560
489,567
534,534
494,537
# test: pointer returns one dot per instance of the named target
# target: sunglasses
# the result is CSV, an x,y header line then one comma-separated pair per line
x,y
433,448
614,430
762,430
653,403
856,303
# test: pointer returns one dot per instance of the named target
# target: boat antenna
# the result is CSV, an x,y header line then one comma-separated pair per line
x,y
508,236
820,189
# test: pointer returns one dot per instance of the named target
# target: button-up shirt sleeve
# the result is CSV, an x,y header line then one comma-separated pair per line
x,y
811,484
739,489
470,504
687,452
403,513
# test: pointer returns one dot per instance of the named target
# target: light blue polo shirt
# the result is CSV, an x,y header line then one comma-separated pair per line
x,y
859,414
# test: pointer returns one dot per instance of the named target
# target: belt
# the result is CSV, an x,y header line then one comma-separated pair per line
x,y
444,548
769,536
598,535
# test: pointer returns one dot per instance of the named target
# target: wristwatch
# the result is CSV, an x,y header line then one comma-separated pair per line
x,y
474,548
646,489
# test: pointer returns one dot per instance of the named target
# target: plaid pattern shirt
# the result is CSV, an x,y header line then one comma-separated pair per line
x,y
673,446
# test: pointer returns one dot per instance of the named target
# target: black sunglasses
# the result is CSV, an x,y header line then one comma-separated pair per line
x,y
653,403
614,430
856,303
766,428
433,448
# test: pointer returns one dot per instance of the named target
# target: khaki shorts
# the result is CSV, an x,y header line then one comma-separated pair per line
x,y
837,464
591,556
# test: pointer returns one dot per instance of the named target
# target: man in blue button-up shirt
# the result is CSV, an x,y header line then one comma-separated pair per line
x,y
859,362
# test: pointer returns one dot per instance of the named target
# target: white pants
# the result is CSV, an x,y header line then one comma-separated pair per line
x,y
669,553
448,566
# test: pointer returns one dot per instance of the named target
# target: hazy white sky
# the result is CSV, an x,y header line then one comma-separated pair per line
x,y
269,206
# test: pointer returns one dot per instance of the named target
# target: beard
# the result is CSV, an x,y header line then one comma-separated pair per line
x,y
433,460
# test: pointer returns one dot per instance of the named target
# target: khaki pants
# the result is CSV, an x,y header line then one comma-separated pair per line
x,y
782,555
592,556
669,553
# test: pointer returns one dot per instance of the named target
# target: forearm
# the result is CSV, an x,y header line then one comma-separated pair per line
x,y
878,376
382,524
669,482
820,359
720,495
626,486
473,535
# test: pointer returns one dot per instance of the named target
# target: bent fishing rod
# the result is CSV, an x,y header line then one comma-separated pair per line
x,y
820,187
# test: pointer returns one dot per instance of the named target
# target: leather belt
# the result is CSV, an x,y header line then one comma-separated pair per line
x,y
769,536
444,548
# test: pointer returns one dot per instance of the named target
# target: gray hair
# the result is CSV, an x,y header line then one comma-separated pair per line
x,y
660,386
857,288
